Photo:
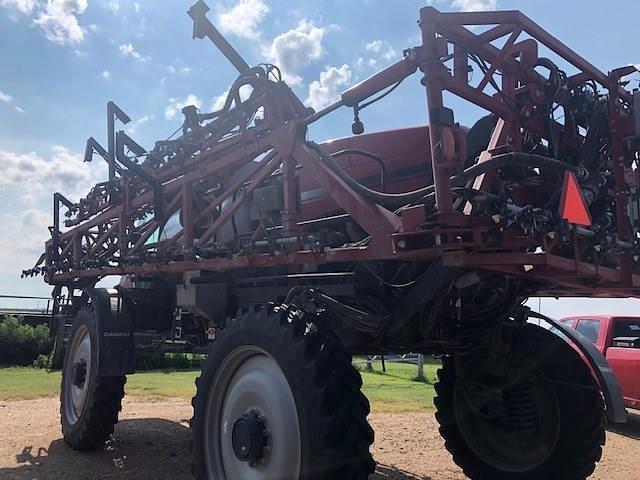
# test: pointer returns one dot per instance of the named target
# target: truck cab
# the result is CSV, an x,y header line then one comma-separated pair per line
x,y
618,338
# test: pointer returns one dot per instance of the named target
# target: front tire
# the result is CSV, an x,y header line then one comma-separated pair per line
x,y
545,422
278,399
89,403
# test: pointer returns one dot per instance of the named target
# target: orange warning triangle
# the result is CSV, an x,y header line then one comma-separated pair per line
x,y
572,205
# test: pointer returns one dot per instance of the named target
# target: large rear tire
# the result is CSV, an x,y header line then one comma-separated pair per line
x,y
89,403
278,399
546,421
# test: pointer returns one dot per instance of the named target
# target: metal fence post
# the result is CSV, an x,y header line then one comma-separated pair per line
x,y
420,376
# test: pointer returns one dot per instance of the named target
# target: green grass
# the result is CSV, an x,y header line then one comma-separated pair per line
x,y
21,383
163,384
393,391
396,390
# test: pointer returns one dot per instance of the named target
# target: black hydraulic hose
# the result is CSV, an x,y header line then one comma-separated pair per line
x,y
372,156
385,199
395,200
248,78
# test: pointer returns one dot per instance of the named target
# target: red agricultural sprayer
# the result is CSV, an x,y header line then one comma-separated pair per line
x,y
281,258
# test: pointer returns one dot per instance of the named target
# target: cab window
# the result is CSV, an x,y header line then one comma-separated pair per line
x,y
626,327
589,328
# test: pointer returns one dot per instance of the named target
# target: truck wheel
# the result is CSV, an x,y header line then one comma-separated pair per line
x,y
278,399
545,421
89,403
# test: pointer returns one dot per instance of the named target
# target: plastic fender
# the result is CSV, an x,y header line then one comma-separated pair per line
x,y
116,346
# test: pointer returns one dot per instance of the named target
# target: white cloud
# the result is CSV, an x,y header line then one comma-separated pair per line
x,y
132,127
23,6
243,19
474,5
362,63
218,102
183,70
22,238
296,49
106,75
5,97
136,6
128,50
35,218
63,171
382,48
175,105
113,5
34,178
324,91
375,46
59,21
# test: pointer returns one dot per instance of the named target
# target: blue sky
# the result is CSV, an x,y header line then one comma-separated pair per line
x,y
62,60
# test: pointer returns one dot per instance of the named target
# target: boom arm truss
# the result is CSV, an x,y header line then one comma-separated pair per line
x,y
118,228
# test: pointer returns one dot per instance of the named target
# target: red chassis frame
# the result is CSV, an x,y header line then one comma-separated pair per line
x,y
459,237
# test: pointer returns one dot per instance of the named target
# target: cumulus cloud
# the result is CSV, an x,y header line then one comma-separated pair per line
x,y
34,178
324,91
23,6
133,127
128,50
382,49
113,5
296,49
218,102
59,21
243,18
63,171
474,5
22,238
34,218
106,74
362,63
175,105
183,70
5,97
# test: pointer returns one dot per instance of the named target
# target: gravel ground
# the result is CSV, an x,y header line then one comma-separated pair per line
x,y
407,446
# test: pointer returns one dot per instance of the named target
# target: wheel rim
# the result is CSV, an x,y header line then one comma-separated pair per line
x,y
251,423
77,374
498,440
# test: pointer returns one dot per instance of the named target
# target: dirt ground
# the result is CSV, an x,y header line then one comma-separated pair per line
x,y
152,442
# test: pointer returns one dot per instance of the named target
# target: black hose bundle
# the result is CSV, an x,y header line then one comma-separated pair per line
x,y
396,200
